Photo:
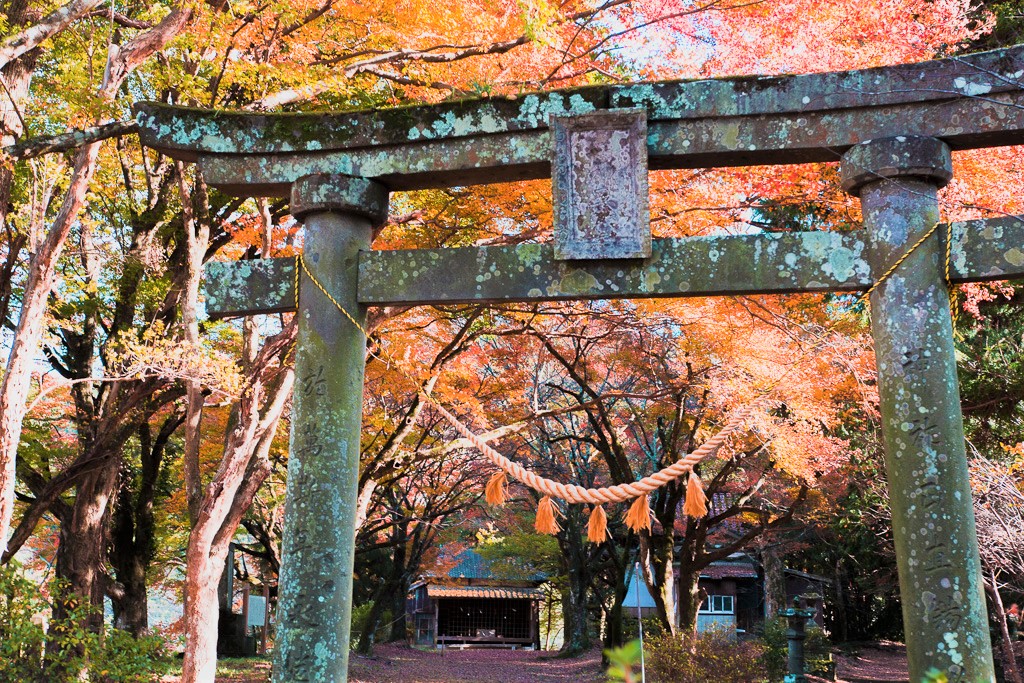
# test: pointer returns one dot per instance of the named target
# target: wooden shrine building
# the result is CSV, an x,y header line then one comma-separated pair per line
x,y
471,605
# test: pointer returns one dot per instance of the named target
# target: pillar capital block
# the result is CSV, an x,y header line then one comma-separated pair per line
x,y
339,193
914,156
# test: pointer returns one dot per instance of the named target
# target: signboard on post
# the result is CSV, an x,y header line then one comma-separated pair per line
x,y
257,611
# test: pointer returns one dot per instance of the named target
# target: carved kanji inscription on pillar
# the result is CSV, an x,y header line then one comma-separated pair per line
x,y
599,185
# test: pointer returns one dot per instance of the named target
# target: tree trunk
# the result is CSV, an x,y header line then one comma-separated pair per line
x,y
201,613
613,626
129,561
369,629
1009,656
574,613
400,571
83,542
27,335
774,581
399,631
131,608
840,625
660,577
689,601
130,604
243,469
133,533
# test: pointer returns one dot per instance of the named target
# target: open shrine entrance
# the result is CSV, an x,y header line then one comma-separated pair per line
x,y
893,130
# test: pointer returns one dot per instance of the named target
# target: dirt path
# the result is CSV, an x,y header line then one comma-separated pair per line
x,y
878,663
883,662
397,664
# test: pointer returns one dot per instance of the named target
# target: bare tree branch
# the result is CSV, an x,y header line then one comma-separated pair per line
x,y
49,144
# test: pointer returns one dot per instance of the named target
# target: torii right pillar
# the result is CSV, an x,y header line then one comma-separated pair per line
x,y
944,617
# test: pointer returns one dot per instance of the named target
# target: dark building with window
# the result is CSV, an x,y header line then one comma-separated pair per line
x,y
732,593
471,605
735,596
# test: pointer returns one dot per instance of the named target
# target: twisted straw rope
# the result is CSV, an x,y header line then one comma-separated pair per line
x,y
620,492
605,494
549,487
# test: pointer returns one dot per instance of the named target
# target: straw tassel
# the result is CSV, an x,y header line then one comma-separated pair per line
x,y
597,527
496,493
696,504
639,515
545,523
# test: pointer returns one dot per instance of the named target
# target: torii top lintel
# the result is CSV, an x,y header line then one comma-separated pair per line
x,y
969,102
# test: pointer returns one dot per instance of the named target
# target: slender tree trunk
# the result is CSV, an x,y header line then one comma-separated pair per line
x,y
550,605
840,619
689,601
201,615
1009,656
197,236
574,612
27,335
660,577
774,581
243,469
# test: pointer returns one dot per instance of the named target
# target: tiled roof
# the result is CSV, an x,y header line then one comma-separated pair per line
x,y
729,570
484,592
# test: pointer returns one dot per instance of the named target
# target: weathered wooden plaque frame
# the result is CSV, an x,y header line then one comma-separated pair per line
x,y
892,128
599,186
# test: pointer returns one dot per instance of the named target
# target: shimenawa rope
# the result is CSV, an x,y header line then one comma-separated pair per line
x,y
638,516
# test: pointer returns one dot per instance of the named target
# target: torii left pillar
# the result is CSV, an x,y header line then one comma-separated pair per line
x,y
315,598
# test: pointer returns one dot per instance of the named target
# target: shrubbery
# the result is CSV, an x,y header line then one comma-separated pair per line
x,y
360,613
28,652
652,628
716,656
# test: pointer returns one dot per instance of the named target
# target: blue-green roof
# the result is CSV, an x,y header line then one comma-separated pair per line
x,y
469,564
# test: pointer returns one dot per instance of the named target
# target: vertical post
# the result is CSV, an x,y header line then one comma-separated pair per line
x,y
245,617
266,619
639,621
944,617
315,588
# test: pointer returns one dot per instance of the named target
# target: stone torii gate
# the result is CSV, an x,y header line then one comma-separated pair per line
x,y
892,129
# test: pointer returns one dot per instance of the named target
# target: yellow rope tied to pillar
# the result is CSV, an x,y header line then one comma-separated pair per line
x,y
899,262
954,310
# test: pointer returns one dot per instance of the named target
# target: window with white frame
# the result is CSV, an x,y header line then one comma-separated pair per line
x,y
717,604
